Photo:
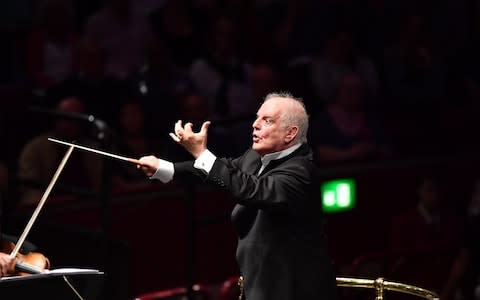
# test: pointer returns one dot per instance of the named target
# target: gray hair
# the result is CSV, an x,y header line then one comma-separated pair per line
x,y
295,115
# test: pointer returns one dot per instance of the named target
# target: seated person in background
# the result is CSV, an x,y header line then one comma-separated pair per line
x,y
427,226
346,130
40,158
194,109
425,237
50,46
132,140
463,281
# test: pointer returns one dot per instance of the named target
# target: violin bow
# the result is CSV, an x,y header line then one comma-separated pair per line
x,y
41,203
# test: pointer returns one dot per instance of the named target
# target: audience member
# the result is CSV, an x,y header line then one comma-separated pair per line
x,y
463,281
296,77
339,57
40,158
173,22
292,27
428,226
223,77
132,135
122,33
132,140
265,78
50,46
160,84
414,72
347,131
424,238
194,109
98,91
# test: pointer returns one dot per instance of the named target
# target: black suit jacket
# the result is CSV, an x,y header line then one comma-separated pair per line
x,y
282,251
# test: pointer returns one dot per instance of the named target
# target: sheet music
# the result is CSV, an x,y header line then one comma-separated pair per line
x,y
66,271
54,272
63,283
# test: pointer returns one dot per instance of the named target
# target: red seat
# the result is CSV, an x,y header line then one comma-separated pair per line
x,y
178,293
427,270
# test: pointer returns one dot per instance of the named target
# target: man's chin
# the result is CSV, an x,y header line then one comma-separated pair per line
x,y
257,148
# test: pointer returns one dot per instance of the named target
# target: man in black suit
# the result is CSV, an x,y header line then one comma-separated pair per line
x,y
282,251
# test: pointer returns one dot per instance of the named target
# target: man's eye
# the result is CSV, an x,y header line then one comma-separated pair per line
x,y
268,121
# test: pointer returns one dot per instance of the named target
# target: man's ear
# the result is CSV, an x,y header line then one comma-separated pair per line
x,y
292,132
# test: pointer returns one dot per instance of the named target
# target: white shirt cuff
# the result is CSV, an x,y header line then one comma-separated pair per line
x,y
205,161
164,171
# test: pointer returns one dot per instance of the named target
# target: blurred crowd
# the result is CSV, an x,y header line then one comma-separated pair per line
x,y
380,79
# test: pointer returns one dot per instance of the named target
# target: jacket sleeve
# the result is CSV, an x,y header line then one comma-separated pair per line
x,y
283,188
185,171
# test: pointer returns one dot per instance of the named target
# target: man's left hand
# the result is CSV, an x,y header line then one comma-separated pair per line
x,y
193,142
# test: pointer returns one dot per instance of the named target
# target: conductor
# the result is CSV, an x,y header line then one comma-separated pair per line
x,y
282,250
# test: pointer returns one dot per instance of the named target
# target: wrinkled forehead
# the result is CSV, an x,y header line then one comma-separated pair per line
x,y
274,106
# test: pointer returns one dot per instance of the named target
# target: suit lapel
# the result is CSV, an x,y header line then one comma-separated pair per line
x,y
303,150
252,163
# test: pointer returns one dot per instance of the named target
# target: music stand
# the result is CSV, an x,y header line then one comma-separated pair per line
x,y
65,284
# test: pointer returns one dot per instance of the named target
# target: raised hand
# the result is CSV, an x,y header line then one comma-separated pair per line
x,y
193,142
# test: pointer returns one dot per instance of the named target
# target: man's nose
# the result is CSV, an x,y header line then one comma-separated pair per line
x,y
255,124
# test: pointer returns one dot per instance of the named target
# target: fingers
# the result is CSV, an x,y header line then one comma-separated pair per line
x,y
181,133
204,128
6,264
188,128
174,137
178,127
178,131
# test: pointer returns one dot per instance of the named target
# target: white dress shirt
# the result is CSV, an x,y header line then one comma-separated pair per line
x,y
206,160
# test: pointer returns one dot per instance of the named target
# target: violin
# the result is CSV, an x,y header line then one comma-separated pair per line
x,y
33,262
25,264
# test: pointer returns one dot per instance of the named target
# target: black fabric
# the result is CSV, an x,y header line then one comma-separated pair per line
x,y
282,249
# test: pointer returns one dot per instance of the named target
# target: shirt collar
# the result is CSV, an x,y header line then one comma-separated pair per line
x,y
267,158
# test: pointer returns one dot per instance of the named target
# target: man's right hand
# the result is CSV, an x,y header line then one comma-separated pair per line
x,y
149,164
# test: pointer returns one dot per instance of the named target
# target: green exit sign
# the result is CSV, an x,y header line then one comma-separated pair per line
x,y
338,195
